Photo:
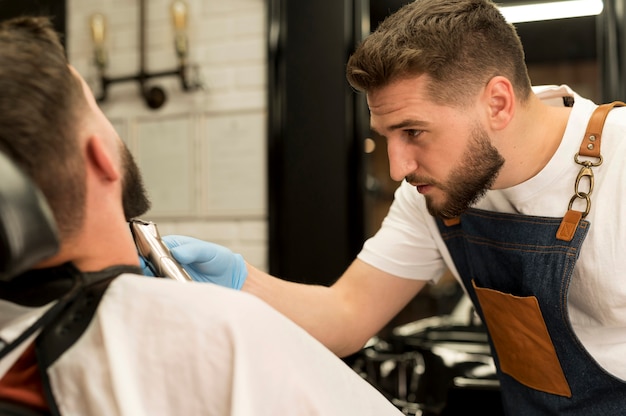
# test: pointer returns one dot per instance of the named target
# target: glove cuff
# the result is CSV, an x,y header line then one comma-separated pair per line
x,y
241,272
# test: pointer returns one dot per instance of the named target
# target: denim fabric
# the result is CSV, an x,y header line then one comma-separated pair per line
x,y
520,255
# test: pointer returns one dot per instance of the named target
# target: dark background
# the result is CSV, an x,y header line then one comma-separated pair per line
x,y
51,8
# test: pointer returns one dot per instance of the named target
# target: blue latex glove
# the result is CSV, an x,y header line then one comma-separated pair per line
x,y
144,266
208,262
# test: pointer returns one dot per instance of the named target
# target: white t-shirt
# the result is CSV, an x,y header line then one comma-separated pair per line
x,y
409,245
162,347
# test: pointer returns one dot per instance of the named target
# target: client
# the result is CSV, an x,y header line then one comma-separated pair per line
x,y
84,333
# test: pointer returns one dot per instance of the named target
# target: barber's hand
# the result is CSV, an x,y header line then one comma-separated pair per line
x,y
208,262
144,267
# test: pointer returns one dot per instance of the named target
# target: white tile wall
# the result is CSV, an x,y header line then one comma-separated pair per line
x,y
203,153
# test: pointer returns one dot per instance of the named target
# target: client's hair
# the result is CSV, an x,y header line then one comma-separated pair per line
x,y
40,107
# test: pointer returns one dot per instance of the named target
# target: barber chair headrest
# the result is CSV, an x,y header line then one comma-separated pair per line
x,y
28,232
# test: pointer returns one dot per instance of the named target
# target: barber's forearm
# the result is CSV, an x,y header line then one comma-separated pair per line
x,y
313,307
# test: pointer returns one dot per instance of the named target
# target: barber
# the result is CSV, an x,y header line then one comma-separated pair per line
x,y
515,190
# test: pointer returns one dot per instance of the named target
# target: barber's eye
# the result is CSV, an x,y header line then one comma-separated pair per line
x,y
412,134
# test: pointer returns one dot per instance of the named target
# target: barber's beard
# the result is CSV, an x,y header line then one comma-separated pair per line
x,y
134,196
468,182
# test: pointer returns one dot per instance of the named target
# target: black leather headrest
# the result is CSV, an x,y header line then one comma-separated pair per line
x,y
28,232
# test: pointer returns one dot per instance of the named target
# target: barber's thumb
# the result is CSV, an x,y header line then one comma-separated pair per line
x,y
195,252
188,250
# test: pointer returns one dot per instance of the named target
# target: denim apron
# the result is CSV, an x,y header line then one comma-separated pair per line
x,y
517,271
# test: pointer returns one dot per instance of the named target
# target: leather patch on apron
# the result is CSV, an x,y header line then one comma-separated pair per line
x,y
521,340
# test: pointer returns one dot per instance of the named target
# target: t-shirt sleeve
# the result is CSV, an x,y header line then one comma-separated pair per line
x,y
405,245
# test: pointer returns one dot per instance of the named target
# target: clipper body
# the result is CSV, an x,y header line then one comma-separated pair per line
x,y
155,252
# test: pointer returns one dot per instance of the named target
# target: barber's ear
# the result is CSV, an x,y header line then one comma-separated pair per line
x,y
101,160
500,101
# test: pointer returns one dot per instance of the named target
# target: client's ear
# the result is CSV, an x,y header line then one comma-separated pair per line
x,y
101,160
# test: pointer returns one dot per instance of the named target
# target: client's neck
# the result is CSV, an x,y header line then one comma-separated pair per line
x,y
96,248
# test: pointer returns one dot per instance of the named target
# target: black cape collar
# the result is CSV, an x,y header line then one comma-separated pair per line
x,y
39,287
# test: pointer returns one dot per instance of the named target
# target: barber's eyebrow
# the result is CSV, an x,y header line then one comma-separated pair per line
x,y
413,123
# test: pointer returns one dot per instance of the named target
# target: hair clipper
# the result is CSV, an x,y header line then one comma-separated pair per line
x,y
155,252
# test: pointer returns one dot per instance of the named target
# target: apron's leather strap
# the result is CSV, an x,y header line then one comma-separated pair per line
x,y
590,145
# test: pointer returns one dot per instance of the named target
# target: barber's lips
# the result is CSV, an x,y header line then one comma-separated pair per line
x,y
422,189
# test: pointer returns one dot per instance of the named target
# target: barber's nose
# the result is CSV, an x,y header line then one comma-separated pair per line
x,y
401,161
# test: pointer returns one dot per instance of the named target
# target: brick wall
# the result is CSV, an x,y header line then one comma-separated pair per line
x,y
203,154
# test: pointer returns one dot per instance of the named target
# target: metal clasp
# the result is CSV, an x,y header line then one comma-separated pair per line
x,y
585,172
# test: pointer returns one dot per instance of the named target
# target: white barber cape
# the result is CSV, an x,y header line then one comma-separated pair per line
x,y
162,347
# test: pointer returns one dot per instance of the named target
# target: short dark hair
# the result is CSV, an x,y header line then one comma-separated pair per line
x,y
459,44
40,107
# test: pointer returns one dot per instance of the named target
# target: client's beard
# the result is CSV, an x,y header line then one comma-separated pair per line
x,y
134,196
